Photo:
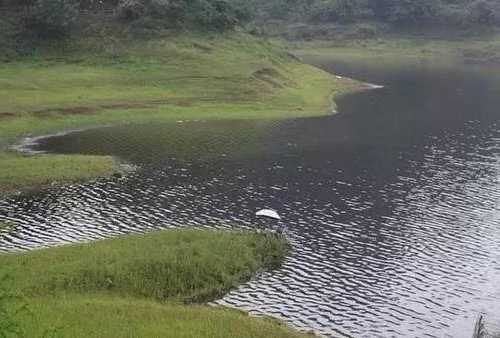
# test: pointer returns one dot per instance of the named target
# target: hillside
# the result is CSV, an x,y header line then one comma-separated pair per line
x,y
112,78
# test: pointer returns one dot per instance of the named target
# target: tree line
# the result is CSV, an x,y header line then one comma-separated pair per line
x,y
55,18
397,12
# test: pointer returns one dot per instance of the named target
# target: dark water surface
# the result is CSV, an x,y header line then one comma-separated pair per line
x,y
392,205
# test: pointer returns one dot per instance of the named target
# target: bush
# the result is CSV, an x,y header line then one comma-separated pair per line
x,y
411,12
366,31
130,10
454,15
209,14
9,30
52,19
340,10
217,15
484,12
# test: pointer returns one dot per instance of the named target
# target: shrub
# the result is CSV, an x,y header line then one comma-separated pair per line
x,y
215,14
9,30
208,14
172,10
129,10
340,10
411,12
454,14
484,12
365,31
52,19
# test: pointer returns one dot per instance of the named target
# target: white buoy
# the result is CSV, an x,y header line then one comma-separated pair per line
x,y
268,213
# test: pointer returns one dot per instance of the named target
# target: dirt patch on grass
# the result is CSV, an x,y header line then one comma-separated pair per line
x,y
202,47
88,110
271,76
6,115
82,110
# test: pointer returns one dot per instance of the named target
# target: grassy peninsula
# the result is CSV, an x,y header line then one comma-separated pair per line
x,y
141,286
185,76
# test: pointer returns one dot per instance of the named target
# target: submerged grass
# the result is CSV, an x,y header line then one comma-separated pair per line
x,y
234,76
135,286
5,226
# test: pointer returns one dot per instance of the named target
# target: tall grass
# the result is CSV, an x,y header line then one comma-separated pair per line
x,y
177,265
134,286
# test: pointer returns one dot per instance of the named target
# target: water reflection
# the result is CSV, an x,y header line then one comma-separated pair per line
x,y
393,205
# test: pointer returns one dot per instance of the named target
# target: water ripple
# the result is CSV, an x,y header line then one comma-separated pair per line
x,y
393,235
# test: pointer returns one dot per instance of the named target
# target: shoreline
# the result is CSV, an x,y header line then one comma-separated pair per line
x,y
336,95
24,144
275,87
474,50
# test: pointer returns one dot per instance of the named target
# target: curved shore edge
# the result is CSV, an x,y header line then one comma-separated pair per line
x,y
26,144
361,87
84,167
125,285
265,83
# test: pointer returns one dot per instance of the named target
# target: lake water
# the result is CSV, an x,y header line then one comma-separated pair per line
x,y
392,205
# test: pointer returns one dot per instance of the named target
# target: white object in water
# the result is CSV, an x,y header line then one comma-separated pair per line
x,y
268,213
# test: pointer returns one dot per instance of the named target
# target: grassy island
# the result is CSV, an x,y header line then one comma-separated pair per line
x,y
148,285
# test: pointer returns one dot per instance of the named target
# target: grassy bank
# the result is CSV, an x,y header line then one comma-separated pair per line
x,y
170,265
118,80
110,317
135,286
475,49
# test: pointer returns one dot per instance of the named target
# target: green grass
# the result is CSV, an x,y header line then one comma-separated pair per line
x,y
77,316
135,286
240,76
475,49
183,265
188,77
25,172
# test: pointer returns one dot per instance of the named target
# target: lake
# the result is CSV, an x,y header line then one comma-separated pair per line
x,y
392,205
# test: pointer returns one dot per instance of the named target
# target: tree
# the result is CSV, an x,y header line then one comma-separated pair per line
x,y
405,11
207,14
52,19
341,10
484,12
